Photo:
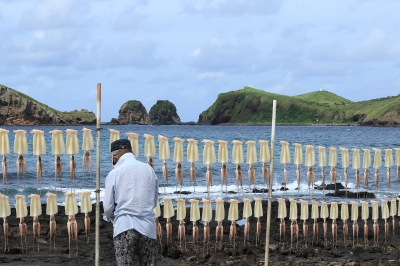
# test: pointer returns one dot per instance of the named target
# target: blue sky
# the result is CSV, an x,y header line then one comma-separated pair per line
x,y
190,51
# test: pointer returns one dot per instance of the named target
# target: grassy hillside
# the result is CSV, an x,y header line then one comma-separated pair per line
x,y
250,105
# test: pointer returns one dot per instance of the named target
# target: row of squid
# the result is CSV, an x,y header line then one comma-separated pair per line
x,y
310,162
206,217
332,213
71,209
39,148
209,157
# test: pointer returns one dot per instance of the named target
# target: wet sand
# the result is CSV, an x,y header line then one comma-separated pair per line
x,y
252,253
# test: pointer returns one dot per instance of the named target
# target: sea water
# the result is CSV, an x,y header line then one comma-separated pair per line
x,y
327,136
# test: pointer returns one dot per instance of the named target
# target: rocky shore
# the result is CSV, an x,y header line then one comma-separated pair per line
x,y
249,253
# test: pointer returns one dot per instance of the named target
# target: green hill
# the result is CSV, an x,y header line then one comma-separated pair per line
x,y
251,105
17,108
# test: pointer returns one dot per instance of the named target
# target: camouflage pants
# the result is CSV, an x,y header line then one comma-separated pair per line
x,y
131,243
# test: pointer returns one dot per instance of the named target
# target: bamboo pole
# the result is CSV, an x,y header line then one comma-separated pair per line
x,y
271,171
97,246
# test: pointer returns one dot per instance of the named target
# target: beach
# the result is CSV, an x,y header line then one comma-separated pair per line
x,y
386,253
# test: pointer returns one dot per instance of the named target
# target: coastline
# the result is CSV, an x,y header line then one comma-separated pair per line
x,y
320,253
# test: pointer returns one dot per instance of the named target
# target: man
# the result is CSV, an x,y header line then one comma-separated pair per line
x,y
130,197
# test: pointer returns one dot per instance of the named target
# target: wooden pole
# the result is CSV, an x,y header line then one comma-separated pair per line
x,y
97,246
271,172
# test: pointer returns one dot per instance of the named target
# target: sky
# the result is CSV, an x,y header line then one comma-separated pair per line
x,y
189,51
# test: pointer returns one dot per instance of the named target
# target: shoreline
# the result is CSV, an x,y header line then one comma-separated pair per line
x,y
319,253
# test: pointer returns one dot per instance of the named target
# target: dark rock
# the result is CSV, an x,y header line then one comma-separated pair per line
x,y
283,189
183,192
217,259
358,249
285,252
133,112
114,121
353,195
164,113
331,187
263,190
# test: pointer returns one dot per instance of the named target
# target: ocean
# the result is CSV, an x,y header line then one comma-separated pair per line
x,y
328,136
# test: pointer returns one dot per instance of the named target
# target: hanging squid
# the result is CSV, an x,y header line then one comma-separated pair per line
x,y
178,158
388,164
377,165
285,159
393,211
157,212
251,160
71,209
375,216
366,165
35,211
354,218
298,160
114,135
315,216
192,157
180,216
206,218
258,212
265,156
356,166
164,154
247,212
325,214
86,207
233,215
150,151
20,148
365,216
398,162
208,158
87,145
304,217
223,159
322,164
52,209
282,213
194,216
57,148
21,213
72,147
345,165
294,227
39,148
5,211
310,162
219,217
334,215
344,215
238,158
385,216
4,150
332,164
168,213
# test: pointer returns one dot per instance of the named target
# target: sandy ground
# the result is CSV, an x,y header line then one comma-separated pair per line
x,y
251,253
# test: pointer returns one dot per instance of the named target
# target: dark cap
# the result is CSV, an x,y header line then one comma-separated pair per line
x,y
121,144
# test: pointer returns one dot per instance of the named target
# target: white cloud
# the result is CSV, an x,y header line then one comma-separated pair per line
x,y
23,89
45,81
208,75
196,53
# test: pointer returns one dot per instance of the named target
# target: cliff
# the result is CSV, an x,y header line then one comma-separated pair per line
x,y
164,113
17,108
250,105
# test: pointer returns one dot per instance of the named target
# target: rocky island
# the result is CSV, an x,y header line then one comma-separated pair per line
x,y
17,108
133,112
